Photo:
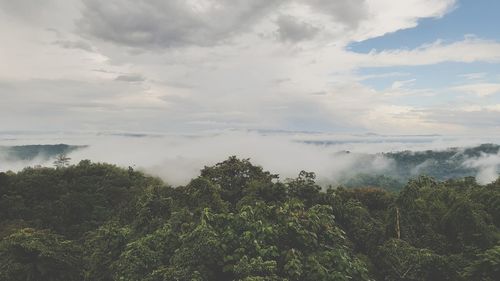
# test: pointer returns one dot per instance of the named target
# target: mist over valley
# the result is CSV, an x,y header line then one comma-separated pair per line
x,y
351,160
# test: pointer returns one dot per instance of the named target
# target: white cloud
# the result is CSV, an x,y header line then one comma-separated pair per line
x,y
388,16
479,89
473,76
488,166
471,118
396,85
469,50
207,65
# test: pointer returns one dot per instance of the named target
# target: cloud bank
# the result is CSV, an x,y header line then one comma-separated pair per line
x,y
177,159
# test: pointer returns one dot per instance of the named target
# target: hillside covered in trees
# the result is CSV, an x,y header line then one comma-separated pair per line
x,y
236,221
36,151
441,165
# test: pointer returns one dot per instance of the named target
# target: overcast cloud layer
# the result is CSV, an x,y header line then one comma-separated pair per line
x,y
202,65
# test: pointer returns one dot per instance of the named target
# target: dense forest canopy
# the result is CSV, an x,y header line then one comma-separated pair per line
x,y
236,221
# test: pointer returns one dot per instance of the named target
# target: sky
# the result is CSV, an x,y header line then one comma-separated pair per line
x,y
190,66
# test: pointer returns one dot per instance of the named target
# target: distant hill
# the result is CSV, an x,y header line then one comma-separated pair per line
x,y
442,165
439,164
39,151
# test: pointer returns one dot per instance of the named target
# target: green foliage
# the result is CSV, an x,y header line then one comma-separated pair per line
x,y
486,267
144,254
235,221
103,247
35,255
234,175
287,241
374,180
304,188
400,262
73,200
61,161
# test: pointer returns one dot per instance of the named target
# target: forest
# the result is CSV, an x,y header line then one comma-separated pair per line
x,y
237,221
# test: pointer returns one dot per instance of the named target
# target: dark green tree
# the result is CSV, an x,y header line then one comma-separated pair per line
x,y
39,255
486,267
61,161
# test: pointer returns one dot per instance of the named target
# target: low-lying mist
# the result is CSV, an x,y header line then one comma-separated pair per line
x,y
488,166
177,159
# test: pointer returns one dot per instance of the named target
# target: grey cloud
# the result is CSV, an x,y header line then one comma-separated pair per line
x,y
65,104
280,81
180,85
157,24
130,78
472,119
174,23
23,8
45,13
101,70
320,93
293,30
78,44
349,12
63,93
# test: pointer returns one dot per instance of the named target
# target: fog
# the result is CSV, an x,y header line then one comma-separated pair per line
x,y
176,159
488,166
